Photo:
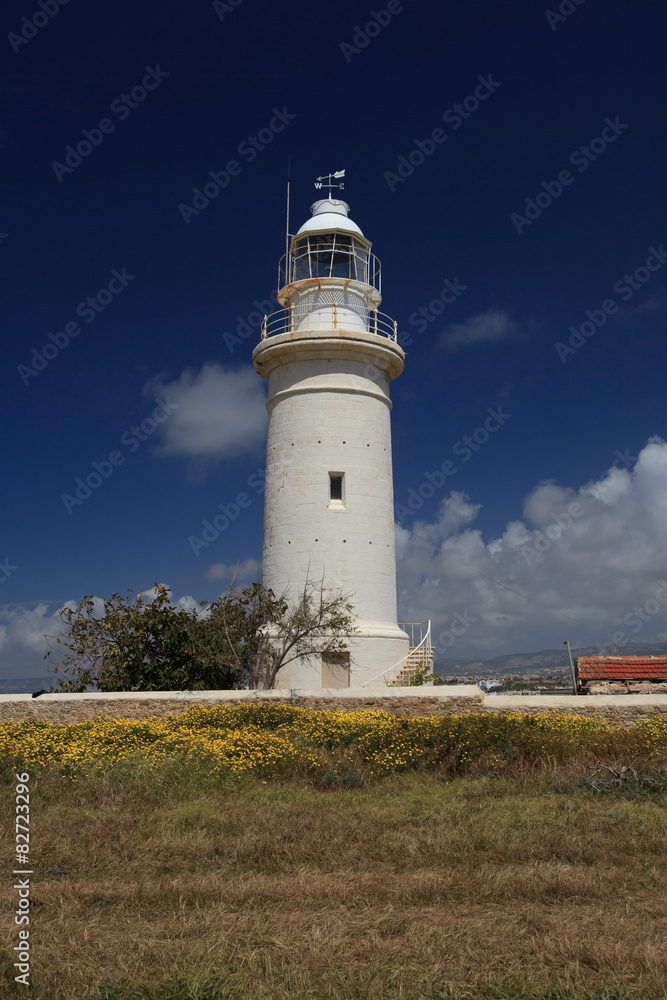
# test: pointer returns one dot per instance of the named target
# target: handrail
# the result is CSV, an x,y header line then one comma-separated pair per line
x,y
412,652
287,321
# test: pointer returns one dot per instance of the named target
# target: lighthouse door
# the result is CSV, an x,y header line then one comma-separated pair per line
x,y
335,670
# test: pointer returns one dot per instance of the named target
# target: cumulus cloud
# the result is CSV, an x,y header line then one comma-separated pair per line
x,y
218,412
591,563
243,572
482,328
22,642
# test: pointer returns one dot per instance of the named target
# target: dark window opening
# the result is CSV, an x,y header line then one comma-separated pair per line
x,y
335,487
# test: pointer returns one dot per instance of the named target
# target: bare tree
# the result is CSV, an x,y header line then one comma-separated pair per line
x,y
256,634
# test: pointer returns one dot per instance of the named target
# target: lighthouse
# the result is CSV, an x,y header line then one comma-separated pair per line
x,y
329,356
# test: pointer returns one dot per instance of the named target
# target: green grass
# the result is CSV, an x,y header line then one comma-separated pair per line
x,y
174,884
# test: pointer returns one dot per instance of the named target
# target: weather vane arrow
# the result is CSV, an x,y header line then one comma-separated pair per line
x,y
328,179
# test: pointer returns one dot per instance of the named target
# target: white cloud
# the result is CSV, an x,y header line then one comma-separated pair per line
x,y
596,554
219,412
482,328
244,572
22,642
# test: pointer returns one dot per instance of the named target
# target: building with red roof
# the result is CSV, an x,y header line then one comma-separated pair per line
x,y
630,673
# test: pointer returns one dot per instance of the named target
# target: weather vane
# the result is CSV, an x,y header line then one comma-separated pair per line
x,y
329,179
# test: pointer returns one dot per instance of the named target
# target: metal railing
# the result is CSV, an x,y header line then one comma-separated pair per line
x,y
424,645
290,321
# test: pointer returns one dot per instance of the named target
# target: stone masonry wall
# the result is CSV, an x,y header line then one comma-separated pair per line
x,y
64,709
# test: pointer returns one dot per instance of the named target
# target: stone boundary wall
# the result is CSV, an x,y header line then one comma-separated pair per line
x,y
406,702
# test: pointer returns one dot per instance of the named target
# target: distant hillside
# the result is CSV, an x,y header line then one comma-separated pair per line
x,y
546,661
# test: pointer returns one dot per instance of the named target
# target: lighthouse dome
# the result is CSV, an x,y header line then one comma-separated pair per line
x,y
330,215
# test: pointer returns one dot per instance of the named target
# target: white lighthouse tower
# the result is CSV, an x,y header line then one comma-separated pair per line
x,y
329,357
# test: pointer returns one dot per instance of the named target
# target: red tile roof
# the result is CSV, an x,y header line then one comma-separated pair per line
x,y
643,668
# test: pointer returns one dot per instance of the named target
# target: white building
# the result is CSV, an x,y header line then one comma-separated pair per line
x,y
329,357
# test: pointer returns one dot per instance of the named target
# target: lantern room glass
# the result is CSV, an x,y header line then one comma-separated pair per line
x,y
330,255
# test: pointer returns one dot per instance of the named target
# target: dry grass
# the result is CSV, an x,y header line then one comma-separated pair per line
x,y
416,887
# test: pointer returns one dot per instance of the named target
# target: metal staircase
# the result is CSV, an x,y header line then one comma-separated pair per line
x,y
419,655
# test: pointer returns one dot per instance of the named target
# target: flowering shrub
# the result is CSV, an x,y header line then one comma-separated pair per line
x,y
283,740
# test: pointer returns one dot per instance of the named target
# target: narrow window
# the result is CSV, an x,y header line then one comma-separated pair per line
x,y
335,486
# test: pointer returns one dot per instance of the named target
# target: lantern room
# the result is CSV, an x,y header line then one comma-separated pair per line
x,y
329,245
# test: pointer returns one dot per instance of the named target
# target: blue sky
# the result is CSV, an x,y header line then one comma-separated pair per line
x,y
508,163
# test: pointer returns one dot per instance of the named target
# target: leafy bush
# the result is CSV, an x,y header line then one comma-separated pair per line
x,y
135,646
